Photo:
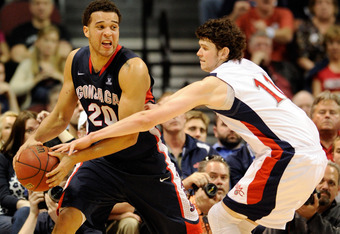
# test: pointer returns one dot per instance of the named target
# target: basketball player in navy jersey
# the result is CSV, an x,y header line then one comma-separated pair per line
x,y
112,83
289,161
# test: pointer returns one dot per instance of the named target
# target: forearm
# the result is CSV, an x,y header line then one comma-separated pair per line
x,y
13,102
50,127
283,36
129,125
29,224
104,148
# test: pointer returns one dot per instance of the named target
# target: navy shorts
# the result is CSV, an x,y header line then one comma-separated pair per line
x,y
150,184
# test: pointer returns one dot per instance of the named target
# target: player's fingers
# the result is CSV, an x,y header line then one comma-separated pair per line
x,y
71,149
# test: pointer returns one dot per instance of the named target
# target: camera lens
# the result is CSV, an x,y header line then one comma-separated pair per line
x,y
211,190
55,193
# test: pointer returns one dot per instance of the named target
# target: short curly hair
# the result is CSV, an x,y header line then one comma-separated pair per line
x,y
99,5
223,33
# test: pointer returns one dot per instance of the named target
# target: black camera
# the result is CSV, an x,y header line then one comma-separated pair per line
x,y
54,193
310,200
210,189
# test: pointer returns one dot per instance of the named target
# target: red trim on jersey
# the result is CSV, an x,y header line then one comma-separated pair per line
x,y
149,96
172,175
256,187
67,183
193,228
119,47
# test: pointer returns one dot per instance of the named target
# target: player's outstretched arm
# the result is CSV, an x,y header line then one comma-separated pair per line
x,y
210,91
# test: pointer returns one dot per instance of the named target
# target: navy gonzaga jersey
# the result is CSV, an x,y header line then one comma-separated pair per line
x,y
99,94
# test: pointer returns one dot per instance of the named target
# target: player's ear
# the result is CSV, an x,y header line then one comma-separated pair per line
x,y
224,53
86,31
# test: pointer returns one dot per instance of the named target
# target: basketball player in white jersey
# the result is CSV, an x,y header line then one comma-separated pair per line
x,y
289,160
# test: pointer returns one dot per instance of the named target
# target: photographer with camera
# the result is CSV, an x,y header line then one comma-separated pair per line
x,y
210,185
320,213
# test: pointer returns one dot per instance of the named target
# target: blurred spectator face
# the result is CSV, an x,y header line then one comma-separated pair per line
x,y
41,9
333,49
266,5
7,124
336,152
2,72
328,187
196,128
48,44
304,100
30,128
324,9
219,175
261,44
174,125
326,115
225,135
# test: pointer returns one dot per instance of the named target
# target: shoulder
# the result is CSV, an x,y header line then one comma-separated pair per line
x,y
283,11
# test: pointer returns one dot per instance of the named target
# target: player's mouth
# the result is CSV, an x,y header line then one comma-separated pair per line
x,y
107,44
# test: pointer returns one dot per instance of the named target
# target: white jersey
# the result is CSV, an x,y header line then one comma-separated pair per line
x,y
261,113
289,159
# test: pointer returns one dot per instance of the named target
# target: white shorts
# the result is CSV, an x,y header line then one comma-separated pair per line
x,y
270,197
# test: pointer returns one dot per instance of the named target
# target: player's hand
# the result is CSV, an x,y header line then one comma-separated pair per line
x,y
30,141
79,144
57,175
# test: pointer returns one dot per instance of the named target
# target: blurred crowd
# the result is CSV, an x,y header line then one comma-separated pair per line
x,y
296,42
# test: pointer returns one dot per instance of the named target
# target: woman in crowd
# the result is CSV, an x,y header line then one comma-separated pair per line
x,y
35,76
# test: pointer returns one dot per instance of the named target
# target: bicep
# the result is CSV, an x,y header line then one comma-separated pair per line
x,y
134,81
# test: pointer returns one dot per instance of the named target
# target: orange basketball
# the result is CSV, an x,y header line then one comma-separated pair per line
x,y
32,165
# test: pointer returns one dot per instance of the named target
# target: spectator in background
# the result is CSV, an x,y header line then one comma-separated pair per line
x,y
239,163
310,34
8,99
209,9
328,77
12,193
197,124
336,157
304,100
321,215
36,76
276,22
228,141
4,49
283,73
211,170
185,151
336,150
7,120
325,114
24,36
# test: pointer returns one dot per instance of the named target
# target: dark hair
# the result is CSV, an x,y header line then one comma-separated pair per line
x,y
224,33
99,5
311,4
16,139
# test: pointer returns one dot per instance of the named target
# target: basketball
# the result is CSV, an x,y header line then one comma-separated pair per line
x,y
32,165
